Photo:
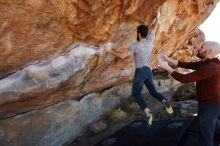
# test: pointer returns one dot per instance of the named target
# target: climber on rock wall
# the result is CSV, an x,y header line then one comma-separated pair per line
x,y
206,74
141,49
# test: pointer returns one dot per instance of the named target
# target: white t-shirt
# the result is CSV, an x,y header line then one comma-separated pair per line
x,y
142,51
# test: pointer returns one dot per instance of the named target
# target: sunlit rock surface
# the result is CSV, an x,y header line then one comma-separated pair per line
x,y
52,51
189,51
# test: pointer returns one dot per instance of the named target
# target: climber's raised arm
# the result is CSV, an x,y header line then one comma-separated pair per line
x,y
153,27
121,55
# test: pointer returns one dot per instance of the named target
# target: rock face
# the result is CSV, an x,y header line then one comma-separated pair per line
x,y
61,123
52,51
188,52
184,92
56,125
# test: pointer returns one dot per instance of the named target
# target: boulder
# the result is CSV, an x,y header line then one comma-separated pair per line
x,y
185,92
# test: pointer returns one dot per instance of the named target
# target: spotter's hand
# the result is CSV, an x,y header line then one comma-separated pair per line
x,y
163,65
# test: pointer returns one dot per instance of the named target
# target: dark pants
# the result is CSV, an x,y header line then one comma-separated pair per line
x,y
144,76
208,122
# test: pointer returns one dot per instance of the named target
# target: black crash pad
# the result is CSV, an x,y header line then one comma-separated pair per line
x,y
161,133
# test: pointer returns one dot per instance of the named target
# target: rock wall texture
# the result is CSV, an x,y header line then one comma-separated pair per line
x,y
52,50
188,52
61,123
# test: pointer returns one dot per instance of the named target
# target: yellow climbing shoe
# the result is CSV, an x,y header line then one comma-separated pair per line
x,y
150,119
149,116
168,107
